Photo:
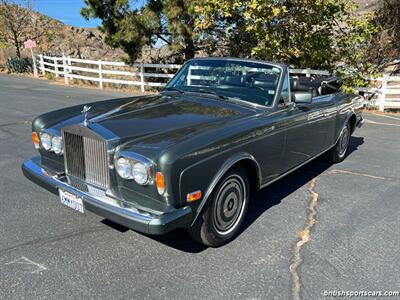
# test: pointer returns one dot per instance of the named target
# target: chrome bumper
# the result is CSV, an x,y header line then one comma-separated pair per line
x,y
109,208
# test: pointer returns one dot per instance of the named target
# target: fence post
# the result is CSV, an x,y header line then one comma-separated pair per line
x,y
383,94
142,77
100,75
42,64
66,81
308,72
55,66
189,78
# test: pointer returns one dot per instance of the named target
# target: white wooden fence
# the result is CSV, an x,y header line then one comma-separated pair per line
x,y
387,94
72,68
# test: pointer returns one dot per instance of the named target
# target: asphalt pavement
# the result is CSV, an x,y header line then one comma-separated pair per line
x,y
322,228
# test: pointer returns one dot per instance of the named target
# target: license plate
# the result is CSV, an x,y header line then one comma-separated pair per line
x,y
72,201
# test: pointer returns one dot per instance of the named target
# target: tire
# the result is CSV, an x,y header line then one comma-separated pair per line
x,y
221,218
338,152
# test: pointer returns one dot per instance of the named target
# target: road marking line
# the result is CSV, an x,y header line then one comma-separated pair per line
x,y
304,238
380,123
386,116
337,171
26,261
23,122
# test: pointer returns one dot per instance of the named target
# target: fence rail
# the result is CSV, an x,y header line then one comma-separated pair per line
x,y
387,94
72,68
156,75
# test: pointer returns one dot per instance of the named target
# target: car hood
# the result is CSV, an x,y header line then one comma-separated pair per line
x,y
163,114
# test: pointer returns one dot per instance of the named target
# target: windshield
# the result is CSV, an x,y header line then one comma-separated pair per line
x,y
244,80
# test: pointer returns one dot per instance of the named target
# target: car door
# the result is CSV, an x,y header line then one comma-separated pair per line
x,y
306,130
328,107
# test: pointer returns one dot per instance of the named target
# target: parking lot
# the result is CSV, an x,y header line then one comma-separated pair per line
x,y
322,228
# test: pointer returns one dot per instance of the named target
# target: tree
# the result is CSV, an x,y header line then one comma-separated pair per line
x,y
385,45
304,33
130,27
18,24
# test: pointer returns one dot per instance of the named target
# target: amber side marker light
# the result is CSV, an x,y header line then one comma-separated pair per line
x,y
160,183
35,139
194,196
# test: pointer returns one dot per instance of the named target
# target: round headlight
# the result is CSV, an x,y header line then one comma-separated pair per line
x,y
56,144
140,173
124,168
45,140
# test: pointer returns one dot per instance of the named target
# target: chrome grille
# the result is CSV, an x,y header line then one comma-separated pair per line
x,y
86,158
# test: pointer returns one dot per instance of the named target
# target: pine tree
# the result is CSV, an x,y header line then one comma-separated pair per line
x,y
158,21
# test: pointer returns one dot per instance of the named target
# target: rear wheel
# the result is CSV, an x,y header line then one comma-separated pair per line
x,y
220,220
338,152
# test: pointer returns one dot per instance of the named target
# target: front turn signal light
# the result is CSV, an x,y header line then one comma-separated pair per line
x,y
35,139
194,196
160,183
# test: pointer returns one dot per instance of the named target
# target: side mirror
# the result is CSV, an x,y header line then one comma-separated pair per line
x,y
302,97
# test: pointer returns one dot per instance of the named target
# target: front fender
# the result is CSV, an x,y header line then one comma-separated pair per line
x,y
205,175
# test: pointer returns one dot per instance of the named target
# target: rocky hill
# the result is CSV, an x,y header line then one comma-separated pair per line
x,y
70,40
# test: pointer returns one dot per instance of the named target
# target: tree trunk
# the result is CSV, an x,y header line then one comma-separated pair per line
x,y
18,51
17,46
189,50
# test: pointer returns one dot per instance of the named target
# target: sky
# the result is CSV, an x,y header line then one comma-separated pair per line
x,y
67,11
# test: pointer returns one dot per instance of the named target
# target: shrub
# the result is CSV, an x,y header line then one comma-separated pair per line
x,y
19,65
50,76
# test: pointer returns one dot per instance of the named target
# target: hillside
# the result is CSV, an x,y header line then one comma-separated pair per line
x,y
72,41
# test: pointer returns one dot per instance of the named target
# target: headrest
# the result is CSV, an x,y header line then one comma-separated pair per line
x,y
233,80
266,81
303,84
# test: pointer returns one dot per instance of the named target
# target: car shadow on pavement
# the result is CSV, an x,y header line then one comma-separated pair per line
x,y
265,199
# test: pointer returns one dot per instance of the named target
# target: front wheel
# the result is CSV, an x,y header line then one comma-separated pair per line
x,y
338,152
220,220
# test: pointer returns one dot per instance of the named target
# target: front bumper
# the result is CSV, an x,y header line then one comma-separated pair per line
x,y
110,208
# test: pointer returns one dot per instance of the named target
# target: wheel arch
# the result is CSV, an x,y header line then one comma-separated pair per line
x,y
350,118
244,160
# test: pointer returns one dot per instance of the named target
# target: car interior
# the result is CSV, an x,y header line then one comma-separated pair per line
x,y
260,87
304,89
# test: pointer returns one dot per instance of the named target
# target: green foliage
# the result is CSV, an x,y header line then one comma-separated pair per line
x,y
169,21
19,65
385,44
318,34
50,76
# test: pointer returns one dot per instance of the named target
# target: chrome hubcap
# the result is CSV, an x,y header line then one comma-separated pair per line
x,y
344,141
229,205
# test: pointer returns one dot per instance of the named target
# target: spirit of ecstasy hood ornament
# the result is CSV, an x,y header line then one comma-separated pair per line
x,y
85,114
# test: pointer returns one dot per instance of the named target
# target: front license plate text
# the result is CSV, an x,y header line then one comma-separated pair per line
x,y
72,201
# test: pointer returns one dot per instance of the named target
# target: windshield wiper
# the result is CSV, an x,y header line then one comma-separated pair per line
x,y
211,93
